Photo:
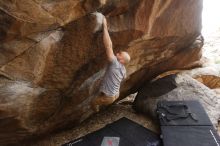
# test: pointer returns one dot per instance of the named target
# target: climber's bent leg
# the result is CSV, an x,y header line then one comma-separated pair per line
x,y
101,100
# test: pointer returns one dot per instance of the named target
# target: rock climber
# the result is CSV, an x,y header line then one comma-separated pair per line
x,y
115,73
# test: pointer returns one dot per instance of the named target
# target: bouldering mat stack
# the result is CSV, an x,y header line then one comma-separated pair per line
x,y
123,132
185,123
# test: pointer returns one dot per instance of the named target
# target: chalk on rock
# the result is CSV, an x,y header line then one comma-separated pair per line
x,y
99,20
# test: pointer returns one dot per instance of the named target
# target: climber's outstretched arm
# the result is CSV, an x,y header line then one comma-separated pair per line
x,y
107,41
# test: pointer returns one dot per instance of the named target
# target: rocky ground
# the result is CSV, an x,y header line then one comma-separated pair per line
x,y
211,49
98,121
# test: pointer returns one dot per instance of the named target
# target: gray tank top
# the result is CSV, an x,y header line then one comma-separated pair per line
x,y
115,73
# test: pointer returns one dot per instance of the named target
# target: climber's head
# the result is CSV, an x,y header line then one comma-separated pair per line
x,y
123,57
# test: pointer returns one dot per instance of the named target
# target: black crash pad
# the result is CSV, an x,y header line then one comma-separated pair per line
x,y
185,123
190,136
127,132
198,115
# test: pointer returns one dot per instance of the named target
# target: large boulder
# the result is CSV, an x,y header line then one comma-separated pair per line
x,y
52,56
209,76
177,88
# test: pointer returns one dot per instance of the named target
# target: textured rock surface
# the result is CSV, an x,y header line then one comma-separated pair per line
x,y
209,76
52,56
94,123
177,87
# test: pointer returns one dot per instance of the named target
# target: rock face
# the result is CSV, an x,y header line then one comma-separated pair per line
x,y
177,87
209,76
52,56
